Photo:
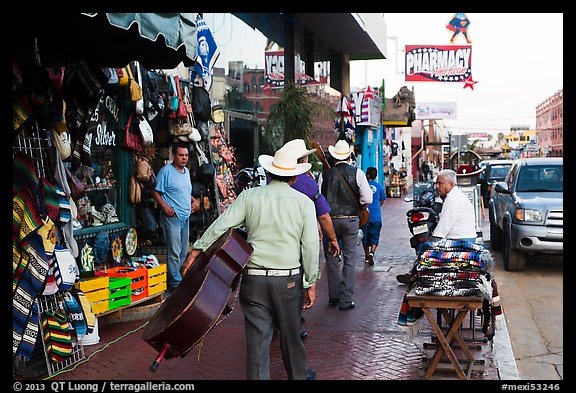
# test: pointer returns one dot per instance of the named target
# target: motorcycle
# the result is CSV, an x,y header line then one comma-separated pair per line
x,y
423,217
250,177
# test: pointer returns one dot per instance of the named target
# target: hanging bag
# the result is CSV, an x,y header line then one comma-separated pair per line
x,y
140,102
182,111
135,89
144,171
67,271
145,130
134,191
173,107
132,140
201,104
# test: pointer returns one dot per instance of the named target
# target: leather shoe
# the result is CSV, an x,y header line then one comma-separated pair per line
x,y
332,302
403,278
303,335
348,307
310,375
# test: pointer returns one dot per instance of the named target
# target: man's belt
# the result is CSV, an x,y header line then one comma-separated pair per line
x,y
338,216
272,272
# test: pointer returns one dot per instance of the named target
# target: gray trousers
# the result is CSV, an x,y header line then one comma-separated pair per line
x,y
341,281
268,303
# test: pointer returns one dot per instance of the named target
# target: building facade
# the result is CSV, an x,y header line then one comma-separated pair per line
x,y
550,125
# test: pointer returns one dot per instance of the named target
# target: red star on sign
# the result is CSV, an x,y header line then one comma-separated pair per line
x,y
469,83
368,93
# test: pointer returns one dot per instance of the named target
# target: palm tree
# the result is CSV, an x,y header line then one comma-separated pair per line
x,y
294,115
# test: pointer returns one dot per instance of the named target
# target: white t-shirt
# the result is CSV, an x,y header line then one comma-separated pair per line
x,y
457,218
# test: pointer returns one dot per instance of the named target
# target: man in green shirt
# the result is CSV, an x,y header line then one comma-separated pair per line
x,y
281,227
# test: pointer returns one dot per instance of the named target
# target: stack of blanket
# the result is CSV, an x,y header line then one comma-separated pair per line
x,y
453,268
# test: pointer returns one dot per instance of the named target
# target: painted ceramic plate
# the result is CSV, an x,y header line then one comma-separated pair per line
x,y
87,258
101,248
131,241
117,250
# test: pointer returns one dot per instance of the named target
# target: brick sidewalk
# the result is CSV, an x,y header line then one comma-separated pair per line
x,y
361,344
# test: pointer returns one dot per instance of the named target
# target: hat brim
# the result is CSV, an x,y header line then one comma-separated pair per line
x,y
307,153
336,155
266,162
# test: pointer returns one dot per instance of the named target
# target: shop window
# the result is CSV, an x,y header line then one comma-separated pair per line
x,y
101,205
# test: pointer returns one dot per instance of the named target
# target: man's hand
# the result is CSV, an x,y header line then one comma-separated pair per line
x,y
334,247
169,211
309,297
189,261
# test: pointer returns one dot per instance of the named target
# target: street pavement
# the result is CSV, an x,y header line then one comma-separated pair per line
x,y
360,344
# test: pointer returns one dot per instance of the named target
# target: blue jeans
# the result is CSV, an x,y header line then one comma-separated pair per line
x,y
176,236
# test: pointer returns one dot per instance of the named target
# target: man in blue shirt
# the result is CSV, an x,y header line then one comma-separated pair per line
x,y
372,229
173,192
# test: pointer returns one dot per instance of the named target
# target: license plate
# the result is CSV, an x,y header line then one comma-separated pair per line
x,y
420,229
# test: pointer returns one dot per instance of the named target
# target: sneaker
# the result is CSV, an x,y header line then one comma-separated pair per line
x,y
310,375
370,259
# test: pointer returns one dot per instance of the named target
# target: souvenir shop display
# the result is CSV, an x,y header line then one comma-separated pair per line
x,y
222,157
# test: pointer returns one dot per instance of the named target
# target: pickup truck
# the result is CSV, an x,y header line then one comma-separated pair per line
x,y
526,211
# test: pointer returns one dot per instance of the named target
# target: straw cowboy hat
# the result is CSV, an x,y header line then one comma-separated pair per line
x,y
298,147
341,150
284,163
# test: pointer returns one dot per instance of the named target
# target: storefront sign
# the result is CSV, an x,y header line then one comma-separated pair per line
x,y
274,66
367,108
435,110
438,63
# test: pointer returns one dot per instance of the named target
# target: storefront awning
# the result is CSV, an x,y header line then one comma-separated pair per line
x,y
361,36
156,40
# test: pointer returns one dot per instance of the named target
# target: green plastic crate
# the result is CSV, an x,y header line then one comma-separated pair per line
x,y
119,302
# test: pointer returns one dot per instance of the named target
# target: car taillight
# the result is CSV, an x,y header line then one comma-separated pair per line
x,y
421,216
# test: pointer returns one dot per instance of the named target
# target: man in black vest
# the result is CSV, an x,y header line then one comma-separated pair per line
x,y
345,218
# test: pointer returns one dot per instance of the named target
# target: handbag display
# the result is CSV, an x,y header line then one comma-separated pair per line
x,y
132,140
77,188
144,171
122,76
177,104
67,271
364,213
140,102
135,89
145,130
134,191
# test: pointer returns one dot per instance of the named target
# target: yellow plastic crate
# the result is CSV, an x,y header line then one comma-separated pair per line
x,y
158,270
99,307
157,279
154,289
95,296
89,284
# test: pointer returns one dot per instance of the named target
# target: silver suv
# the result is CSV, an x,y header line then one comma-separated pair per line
x,y
527,211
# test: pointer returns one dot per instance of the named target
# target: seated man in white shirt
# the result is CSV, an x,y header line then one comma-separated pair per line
x,y
457,219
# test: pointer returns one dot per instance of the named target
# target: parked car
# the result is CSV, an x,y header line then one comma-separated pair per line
x,y
526,211
494,171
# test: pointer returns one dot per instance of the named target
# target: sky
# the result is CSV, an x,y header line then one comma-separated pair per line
x,y
517,60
